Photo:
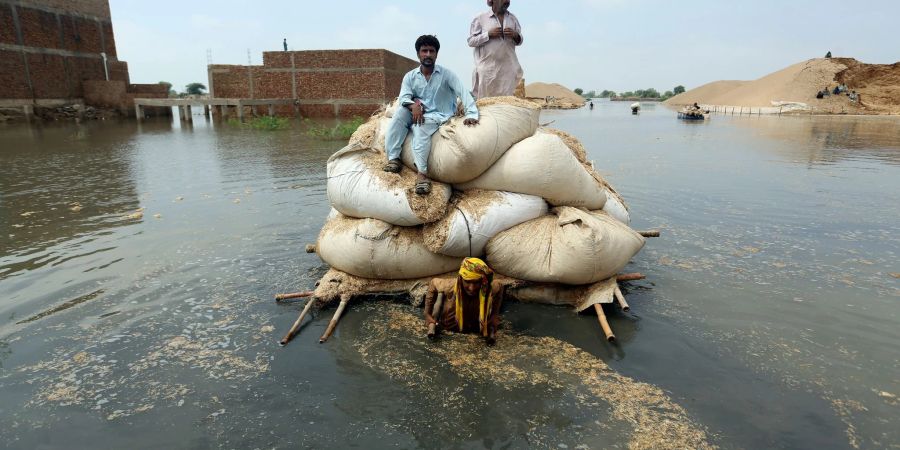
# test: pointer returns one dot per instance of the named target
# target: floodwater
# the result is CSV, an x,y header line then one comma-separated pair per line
x,y
138,265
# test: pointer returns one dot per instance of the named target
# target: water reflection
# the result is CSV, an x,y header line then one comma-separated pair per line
x,y
60,188
829,140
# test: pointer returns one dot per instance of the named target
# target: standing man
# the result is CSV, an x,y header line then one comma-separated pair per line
x,y
472,302
285,44
427,100
494,35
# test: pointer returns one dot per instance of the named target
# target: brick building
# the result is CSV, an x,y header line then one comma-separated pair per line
x,y
323,83
61,52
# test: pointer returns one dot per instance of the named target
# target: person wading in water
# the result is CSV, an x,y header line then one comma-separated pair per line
x,y
471,301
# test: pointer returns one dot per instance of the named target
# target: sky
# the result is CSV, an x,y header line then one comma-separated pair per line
x,y
590,44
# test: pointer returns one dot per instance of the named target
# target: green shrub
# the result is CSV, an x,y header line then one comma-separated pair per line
x,y
265,123
341,131
269,123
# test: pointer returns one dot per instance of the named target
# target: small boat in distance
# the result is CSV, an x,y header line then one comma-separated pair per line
x,y
690,115
693,112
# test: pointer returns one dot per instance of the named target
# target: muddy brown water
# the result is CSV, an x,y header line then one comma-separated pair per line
x,y
138,264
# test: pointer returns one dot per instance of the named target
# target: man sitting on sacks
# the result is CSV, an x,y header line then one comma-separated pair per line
x,y
427,99
471,301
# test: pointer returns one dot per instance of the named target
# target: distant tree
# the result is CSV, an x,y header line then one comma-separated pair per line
x,y
195,89
607,94
627,94
590,94
168,86
667,95
579,91
678,90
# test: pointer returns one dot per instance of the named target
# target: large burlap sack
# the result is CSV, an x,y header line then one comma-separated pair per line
x,y
616,207
358,187
371,248
460,153
569,246
476,216
543,165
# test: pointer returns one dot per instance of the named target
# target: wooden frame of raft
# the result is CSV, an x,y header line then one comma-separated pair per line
x,y
341,286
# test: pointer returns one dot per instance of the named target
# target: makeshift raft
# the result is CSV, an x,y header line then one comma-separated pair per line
x,y
522,196
341,287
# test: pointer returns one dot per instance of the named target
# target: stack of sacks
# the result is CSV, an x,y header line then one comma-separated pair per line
x,y
524,198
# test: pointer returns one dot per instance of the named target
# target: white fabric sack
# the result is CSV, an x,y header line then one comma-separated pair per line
x,y
358,187
476,216
460,153
371,248
569,246
616,208
543,165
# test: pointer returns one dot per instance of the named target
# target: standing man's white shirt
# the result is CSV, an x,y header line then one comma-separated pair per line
x,y
497,70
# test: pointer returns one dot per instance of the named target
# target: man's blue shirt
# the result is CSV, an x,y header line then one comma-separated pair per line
x,y
438,95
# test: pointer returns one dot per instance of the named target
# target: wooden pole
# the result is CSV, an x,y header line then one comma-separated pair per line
x,y
436,313
279,297
334,320
630,276
296,326
603,323
649,233
621,299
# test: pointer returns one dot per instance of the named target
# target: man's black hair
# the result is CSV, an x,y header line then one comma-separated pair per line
x,y
427,39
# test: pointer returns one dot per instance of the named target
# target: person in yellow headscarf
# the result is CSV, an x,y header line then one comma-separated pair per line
x,y
471,301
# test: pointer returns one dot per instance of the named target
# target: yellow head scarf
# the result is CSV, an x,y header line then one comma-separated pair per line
x,y
473,269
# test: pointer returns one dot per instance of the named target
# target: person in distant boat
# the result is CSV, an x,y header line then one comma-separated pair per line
x,y
428,96
471,301
494,36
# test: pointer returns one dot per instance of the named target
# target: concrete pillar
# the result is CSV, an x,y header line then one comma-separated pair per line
x,y
206,111
28,110
223,110
138,113
187,113
271,110
240,112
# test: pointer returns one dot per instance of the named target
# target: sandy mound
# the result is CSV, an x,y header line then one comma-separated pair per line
x,y
542,90
703,93
879,85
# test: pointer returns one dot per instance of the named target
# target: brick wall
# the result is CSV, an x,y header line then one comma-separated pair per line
x,y
12,75
57,48
329,83
86,8
109,94
7,26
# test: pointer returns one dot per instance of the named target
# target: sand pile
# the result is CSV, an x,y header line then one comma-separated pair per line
x,y
562,94
878,84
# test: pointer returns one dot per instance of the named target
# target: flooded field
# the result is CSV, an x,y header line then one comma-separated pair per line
x,y
138,265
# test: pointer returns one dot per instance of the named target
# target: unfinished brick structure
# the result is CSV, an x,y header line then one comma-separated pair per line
x,y
323,83
52,50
